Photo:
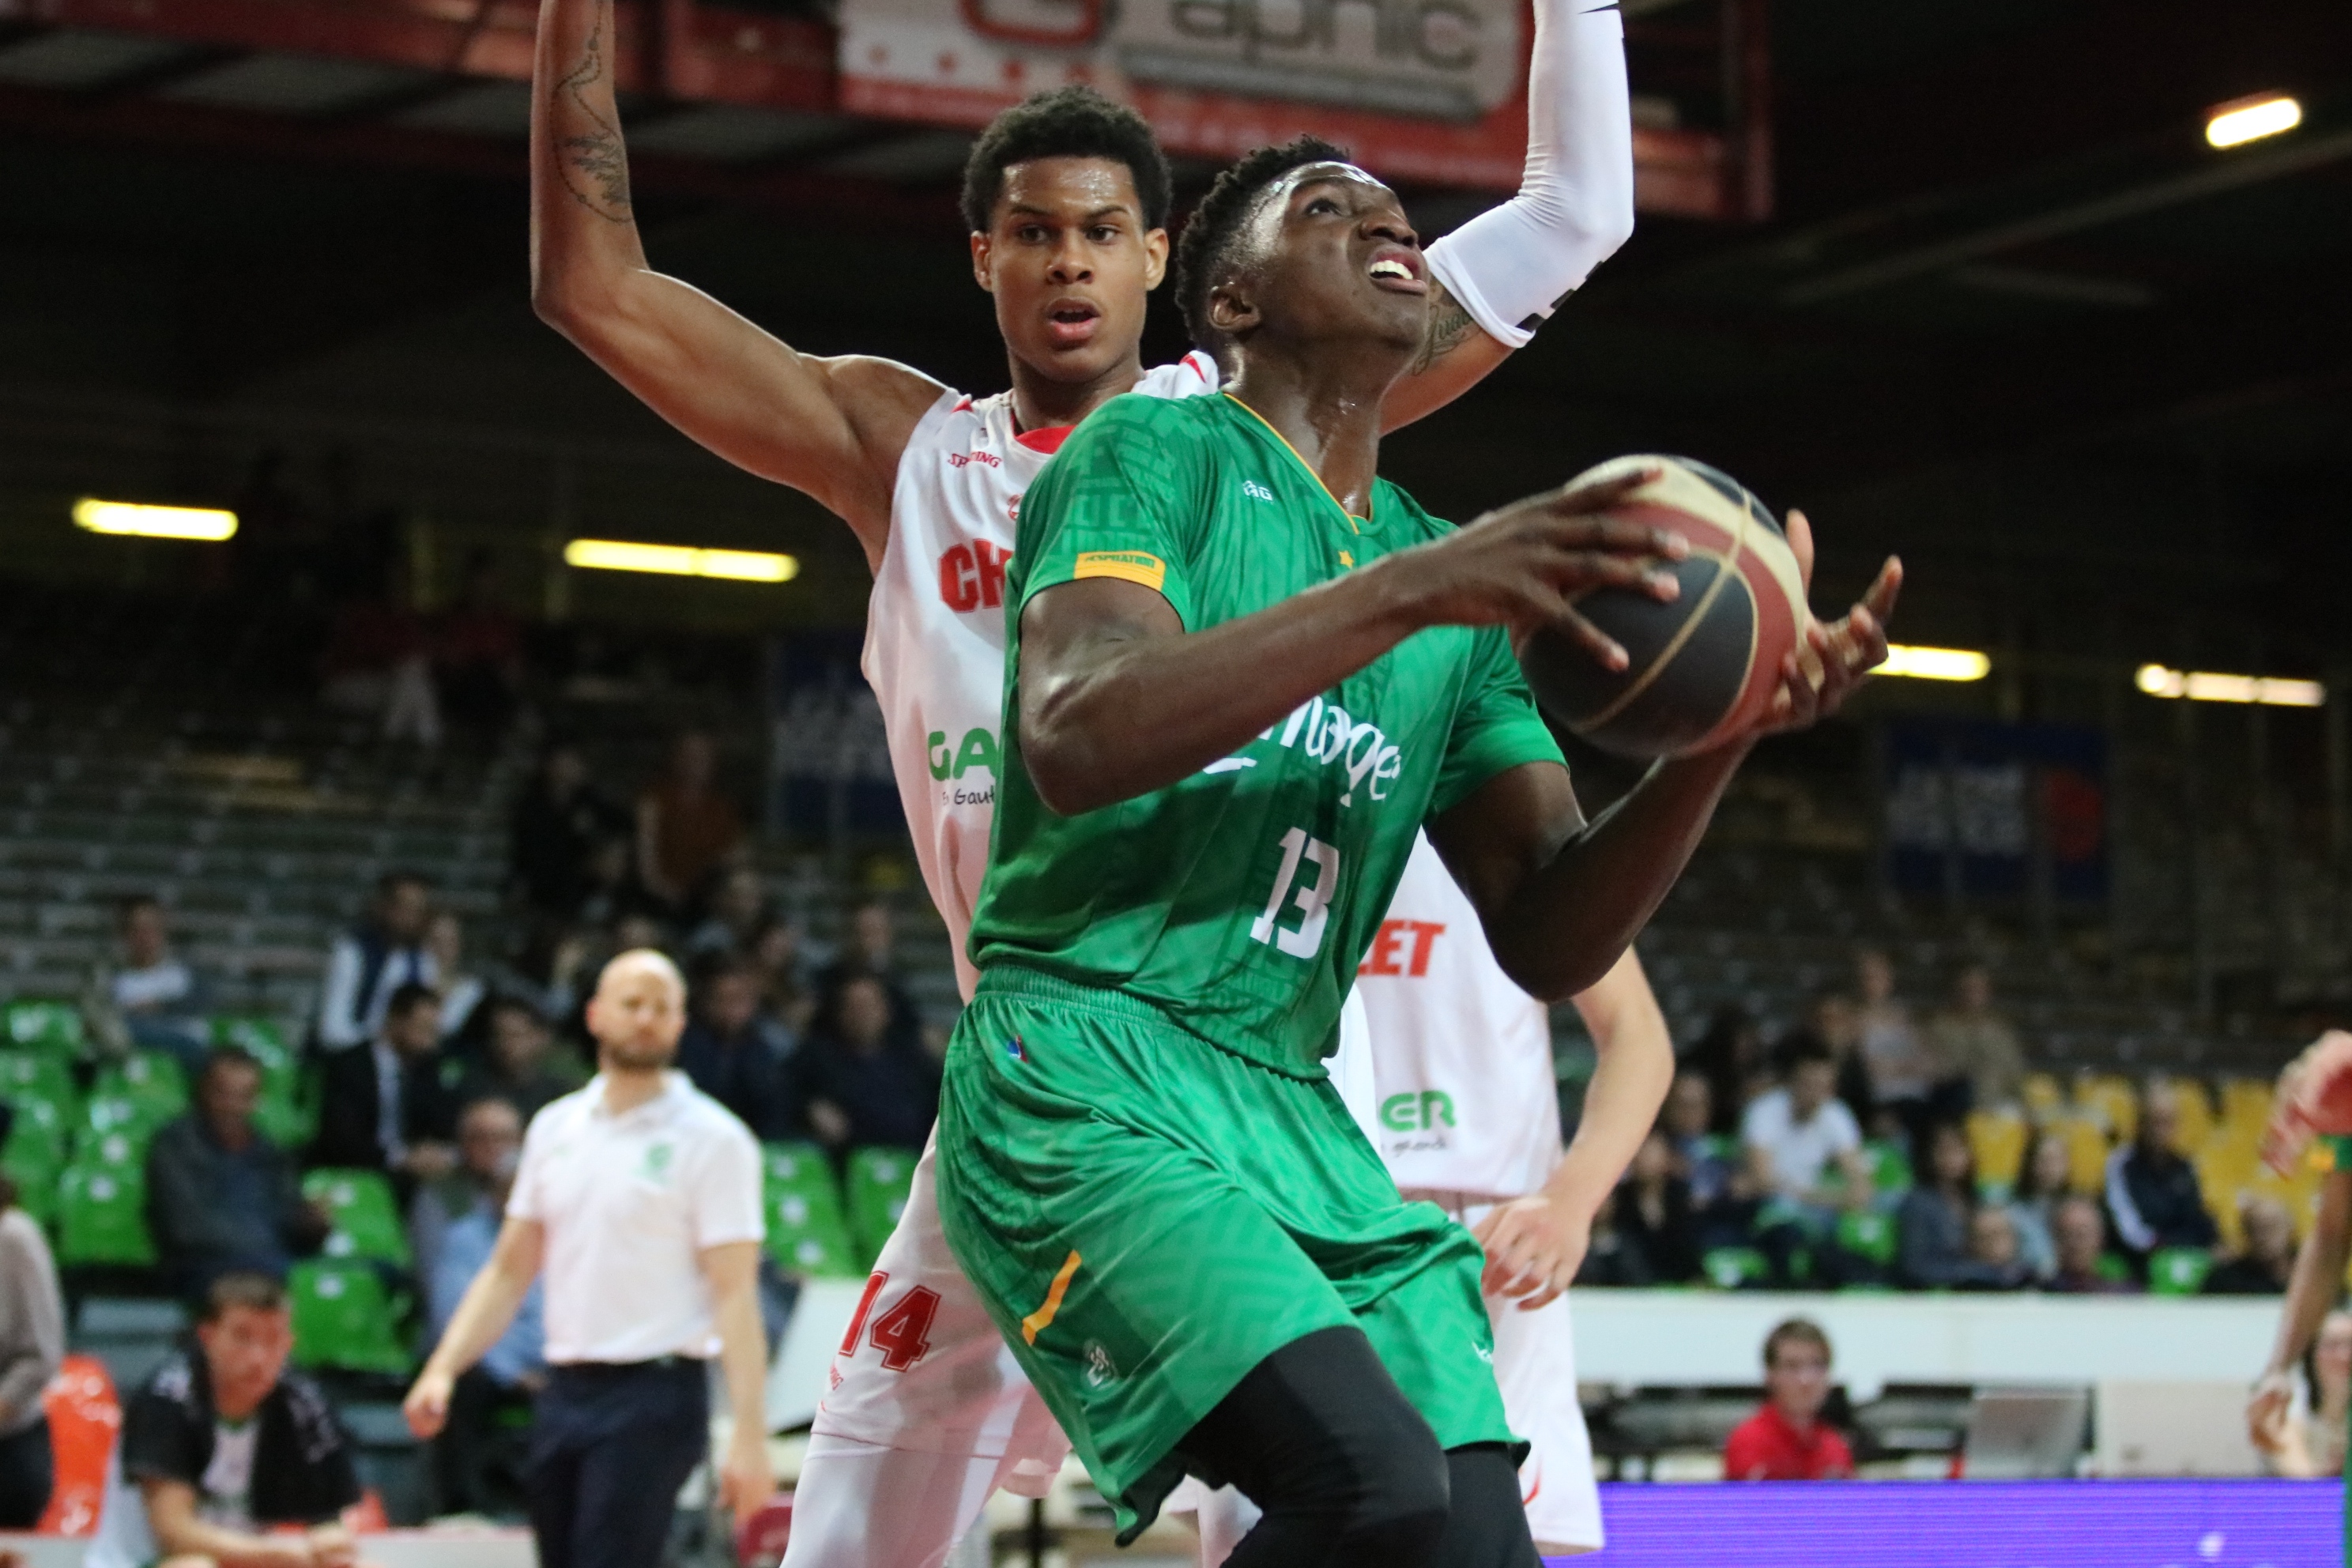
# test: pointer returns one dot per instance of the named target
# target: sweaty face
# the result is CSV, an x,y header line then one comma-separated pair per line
x,y
1071,263
638,1012
1328,254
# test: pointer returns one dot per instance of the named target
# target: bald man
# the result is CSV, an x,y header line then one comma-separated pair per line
x,y
640,1196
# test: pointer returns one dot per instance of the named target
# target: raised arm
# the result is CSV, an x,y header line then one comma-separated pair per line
x,y
1495,278
831,428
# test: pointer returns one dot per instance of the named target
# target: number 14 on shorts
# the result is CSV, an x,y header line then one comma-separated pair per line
x,y
903,1334
1313,898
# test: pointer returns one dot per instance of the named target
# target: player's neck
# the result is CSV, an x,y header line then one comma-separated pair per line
x,y
1042,402
1327,404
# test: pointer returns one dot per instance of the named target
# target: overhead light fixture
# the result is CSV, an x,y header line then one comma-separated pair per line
x,y
1935,663
681,561
2252,118
122,517
2203,686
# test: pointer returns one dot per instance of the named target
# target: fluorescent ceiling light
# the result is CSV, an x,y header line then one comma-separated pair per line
x,y
154,521
681,561
2202,686
1935,663
2251,119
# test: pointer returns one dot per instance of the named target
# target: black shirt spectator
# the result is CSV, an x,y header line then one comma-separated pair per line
x,y
2267,1264
221,1197
367,966
1653,1215
863,1083
558,824
519,1064
385,1107
2153,1197
1934,1224
223,1444
869,941
1730,1057
739,1056
2078,1232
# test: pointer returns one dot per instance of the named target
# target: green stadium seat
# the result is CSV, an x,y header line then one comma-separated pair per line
x,y
366,1217
31,1024
35,1155
107,1116
1868,1233
1889,1167
2178,1270
38,1075
346,1318
1734,1268
102,1216
877,1183
795,1167
806,1237
149,1080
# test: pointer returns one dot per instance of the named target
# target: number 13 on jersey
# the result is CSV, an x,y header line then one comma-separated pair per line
x,y
1313,898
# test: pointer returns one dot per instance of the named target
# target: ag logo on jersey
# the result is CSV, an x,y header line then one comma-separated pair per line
x,y
1255,491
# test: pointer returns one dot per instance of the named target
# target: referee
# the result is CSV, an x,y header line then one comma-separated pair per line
x,y
641,1198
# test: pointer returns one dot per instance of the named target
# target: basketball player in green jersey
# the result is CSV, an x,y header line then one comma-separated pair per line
x,y
1242,671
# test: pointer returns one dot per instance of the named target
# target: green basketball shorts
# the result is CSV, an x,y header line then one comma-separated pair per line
x,y
1147,1217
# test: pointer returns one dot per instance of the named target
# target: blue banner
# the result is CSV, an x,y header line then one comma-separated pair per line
x,y
1972,805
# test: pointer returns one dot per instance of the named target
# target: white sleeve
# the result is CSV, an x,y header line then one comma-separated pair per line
x,y
1848,1130
340,999
727,1196
1510,267
523,1199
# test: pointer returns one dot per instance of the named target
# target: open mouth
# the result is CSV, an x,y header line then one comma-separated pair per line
x,y
1070,323
1397,270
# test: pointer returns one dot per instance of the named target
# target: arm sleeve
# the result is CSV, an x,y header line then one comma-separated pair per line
x,y
523,1199
38,1309
339,999
727,1197
1121,499
158,1444
1510,267
1496,727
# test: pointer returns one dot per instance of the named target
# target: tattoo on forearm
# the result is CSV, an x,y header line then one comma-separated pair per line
x,y
1449,323
593,163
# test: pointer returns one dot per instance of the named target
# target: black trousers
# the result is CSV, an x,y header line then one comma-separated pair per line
x,y
27,1471
610,1447
478,1458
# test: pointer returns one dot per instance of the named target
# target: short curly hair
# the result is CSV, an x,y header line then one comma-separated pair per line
x,y
1068,122
1210,231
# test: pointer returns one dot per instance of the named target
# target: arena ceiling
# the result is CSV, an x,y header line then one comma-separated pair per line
x,y
2009,306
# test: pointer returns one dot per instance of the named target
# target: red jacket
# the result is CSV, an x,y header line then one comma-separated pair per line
x,y
1765,1447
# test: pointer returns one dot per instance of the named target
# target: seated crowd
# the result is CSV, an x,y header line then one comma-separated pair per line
x,y
1864,1150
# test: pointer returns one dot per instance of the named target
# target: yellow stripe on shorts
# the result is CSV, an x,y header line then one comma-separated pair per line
x,y
1130,565
1036,1321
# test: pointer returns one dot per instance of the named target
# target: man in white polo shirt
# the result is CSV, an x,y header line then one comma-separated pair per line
x,y
641,1197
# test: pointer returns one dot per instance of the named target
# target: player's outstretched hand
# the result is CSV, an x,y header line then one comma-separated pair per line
x,y
1534,1247
1832,656
1523,564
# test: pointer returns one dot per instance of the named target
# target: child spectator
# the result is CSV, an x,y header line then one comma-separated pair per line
x,y
1787,1440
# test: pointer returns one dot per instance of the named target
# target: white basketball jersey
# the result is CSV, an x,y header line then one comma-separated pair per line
x,y
934,623
1461,1056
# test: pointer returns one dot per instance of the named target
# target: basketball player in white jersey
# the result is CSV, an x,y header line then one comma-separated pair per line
x,y
1066,199
1461,1104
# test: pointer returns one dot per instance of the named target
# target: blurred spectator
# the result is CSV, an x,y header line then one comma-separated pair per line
x,y
1730,1057
2045,1178
221,1197
385,1107
869,943
1653,1215
775,954
1837,1022
519,1061
738,1055
2153,1196
611,890
2078,1230
477,650
384,953
1902,1070
455,1226
32,1348
686,828
1992,1247
461,990
1722,1194
1787,1440
379,661
2267,1263
739,906
223,1449
1796,1137
1934,1227
1610,1262
149,999
2308,1441
1974,1046
863,1083
560,823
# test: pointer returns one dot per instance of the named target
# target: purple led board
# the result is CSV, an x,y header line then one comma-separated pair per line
x,y
1974,1524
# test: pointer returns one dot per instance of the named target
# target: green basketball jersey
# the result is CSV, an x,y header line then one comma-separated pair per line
x,y
1239,900
2338,1156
